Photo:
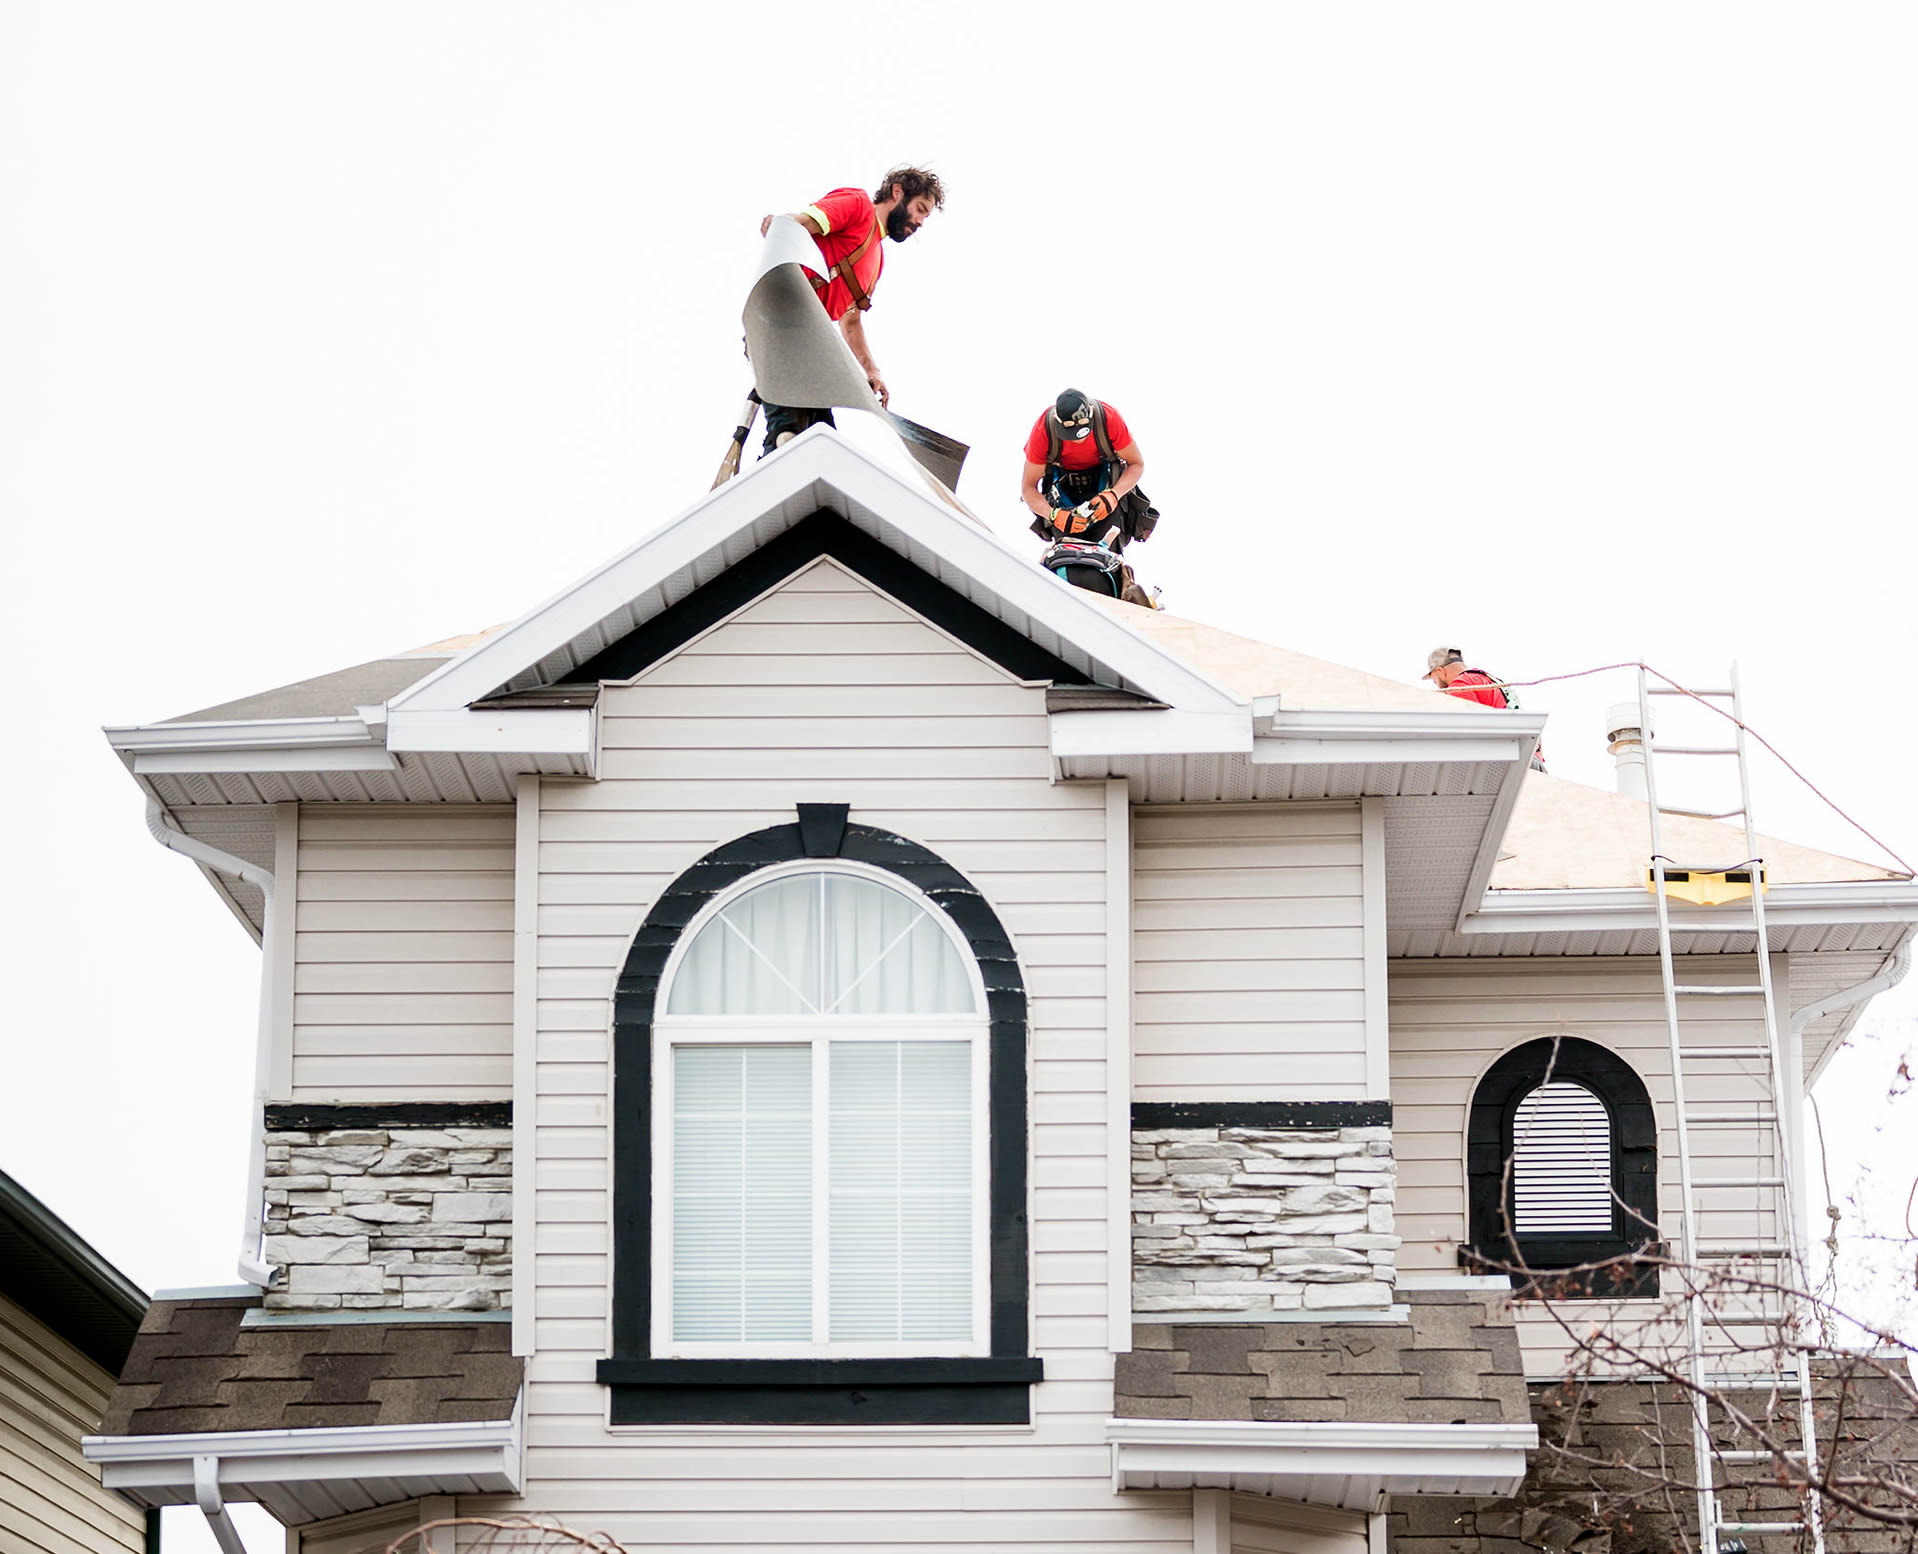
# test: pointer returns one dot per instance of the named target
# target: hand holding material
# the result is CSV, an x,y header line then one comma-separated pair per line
x,y
1104,505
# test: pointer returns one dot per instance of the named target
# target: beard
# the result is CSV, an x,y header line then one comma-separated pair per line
x,y
899,225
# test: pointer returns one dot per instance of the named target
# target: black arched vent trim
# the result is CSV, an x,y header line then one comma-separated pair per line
x,y
1634,1167
991,1389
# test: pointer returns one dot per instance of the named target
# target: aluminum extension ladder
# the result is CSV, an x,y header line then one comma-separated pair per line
x,y
1784,1257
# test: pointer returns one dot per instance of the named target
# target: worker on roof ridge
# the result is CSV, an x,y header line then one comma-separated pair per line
x,y
847,225
1081,483
1445,667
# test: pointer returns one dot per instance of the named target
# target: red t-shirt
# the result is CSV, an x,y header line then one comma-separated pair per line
x,y
1084,453
850,219
1476,685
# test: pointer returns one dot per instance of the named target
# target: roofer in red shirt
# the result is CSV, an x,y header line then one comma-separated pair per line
x,y
1445,668
847,226
1082,467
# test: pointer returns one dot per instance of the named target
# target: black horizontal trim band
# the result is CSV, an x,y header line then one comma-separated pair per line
x,y
1261,1114
302,1117
977,1371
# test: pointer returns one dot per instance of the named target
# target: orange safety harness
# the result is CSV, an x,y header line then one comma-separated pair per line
x,y
845,270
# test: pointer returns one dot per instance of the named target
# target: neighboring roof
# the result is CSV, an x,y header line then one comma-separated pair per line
x,y
195,1368
1566,836
1255,669
58,1278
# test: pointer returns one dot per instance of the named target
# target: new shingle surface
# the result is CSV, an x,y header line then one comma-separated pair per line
x,y
194,1368
1456,1361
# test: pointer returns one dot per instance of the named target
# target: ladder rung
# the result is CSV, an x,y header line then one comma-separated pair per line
x,y
1761,1527
1738,1181
1731,1119
1716,989
1756,1456
1700,814
1696,749
1765,1249
1724,1052
1673,690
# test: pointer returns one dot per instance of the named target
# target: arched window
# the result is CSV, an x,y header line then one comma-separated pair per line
x,y
821,1069
1562,1163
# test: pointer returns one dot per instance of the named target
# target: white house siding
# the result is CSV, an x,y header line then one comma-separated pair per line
x,y
827,691
1451,1019
403,953
51,1499
1248,941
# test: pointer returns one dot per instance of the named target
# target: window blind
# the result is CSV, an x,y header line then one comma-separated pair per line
x,y
742,1192
1561,1163
901,1190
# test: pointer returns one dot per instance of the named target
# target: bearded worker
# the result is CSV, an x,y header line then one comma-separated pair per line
x,y
847,226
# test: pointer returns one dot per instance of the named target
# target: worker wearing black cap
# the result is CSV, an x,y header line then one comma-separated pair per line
x,y
1082,468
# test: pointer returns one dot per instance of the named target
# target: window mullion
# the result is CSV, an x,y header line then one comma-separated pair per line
x,y
821,1192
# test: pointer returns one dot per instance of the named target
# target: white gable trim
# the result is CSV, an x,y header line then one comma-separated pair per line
x,y
726,526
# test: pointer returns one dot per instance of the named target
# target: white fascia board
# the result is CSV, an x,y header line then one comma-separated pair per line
x,y
251,745
1150,733
248,734
501,731
323,758
1348,738
818,463
1387,1458
488,1450
1573,911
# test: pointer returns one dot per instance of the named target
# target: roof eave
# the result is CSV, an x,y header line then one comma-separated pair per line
x,y
465,1457
1349,1465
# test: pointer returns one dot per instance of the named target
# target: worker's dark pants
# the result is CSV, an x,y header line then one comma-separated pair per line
x,y
790,418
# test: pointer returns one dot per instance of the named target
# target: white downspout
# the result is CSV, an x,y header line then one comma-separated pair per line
x,y
253,1268
206,1495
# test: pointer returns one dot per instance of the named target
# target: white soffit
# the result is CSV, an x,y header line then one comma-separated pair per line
x,y
308,1475
1349,1466
819,469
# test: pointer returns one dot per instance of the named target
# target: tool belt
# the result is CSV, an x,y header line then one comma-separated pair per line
x,y
1135,515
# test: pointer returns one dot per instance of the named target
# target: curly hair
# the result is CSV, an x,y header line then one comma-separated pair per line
x,y
913,182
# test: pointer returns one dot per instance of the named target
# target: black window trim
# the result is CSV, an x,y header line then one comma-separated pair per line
x,y
1634,1166
990,1389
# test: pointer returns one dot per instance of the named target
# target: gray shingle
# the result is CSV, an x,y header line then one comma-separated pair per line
x,y
194,1368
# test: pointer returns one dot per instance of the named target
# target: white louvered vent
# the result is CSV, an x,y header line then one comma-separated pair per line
x,y
1561,1163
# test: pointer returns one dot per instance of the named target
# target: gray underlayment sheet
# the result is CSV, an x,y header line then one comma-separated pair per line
x,y
800,358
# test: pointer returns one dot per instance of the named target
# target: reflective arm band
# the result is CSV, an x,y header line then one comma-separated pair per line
x,y
819,216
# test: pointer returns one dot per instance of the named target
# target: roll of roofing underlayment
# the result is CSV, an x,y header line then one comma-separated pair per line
x,y
800,358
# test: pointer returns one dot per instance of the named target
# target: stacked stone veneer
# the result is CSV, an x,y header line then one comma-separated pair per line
x,y
371,1218
1260,1219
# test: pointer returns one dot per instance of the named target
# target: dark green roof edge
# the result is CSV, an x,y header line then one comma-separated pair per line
x,y
53,1274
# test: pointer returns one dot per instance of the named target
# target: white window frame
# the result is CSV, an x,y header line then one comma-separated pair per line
x,y
818,1032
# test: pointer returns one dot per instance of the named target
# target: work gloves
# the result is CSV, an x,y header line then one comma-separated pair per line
x,y
1104,505
1069,520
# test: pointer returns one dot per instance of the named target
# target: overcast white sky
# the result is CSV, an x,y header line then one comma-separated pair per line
x,y
1572,335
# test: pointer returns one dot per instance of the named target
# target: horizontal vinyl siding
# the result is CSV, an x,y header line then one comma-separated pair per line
x,y
1248,953
51,1498
1450,1020
403,953
825,691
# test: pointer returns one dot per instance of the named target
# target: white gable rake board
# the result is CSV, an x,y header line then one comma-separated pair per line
x,y
826,691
